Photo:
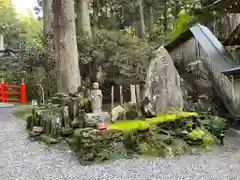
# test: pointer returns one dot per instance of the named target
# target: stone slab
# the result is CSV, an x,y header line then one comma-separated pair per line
x,y
37,129
96,118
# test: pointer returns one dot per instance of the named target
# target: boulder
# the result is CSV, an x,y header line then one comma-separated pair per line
x,y
163,87
66,131
117,112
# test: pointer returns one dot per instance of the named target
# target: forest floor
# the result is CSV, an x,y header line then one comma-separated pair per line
x,y
21,159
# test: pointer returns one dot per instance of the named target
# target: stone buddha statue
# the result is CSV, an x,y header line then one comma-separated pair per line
x,y
96,98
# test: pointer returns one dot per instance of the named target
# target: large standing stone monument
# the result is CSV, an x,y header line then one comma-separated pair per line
x,y
163,83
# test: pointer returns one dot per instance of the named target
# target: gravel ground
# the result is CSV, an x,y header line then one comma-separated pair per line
x,y
21,159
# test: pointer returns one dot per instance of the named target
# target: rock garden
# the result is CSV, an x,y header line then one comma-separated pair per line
x,y
97,136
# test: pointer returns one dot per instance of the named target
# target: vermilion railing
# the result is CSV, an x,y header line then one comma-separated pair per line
x,y
4,95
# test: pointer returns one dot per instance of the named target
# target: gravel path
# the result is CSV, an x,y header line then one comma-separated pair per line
x,y
21,159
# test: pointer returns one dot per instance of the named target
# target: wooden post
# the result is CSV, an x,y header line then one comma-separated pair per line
x,y
1,42
233,88
3,93
138,91
133,94
121,96
23,93
112,96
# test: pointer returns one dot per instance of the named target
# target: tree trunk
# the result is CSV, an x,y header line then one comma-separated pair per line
x,y
142,23
48,42
84,26
151,18
165,16
67,65
96,6
47,16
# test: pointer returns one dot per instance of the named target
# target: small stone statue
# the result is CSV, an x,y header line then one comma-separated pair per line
x,y
96,98
66,119
80,91
147,108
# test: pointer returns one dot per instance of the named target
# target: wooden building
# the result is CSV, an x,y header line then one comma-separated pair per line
x,y
233,38
234,75
232,6
225,19
199,44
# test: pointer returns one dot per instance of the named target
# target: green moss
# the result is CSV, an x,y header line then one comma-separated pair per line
x,y
207,140
165,117
85,100
161,118
70,140
77,132
183,114
144,147
196,134
22,112
130,125
203,135
48,139
179,146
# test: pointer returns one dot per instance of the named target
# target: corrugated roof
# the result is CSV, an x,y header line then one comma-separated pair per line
x,y
211,45
235,70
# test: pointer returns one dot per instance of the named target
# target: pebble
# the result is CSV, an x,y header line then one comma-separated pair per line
x,y
21,159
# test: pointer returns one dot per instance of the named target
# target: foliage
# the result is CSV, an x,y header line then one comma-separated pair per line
x,y
203,135
196,134
8,20
115,47
181,24
31,29
25,29
119,54
207,140
214,124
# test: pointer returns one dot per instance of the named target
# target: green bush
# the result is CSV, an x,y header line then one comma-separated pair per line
x,y
213,124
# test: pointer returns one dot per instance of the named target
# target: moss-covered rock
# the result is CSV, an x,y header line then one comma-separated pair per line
x,y
131,114
98,145
33,134
66,132
29,122
48,139
167,135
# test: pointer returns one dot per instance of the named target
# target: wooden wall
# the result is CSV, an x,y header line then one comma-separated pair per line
x,y
237,88
191,51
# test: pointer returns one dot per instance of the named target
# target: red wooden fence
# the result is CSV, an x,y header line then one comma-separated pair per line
x,y
4,92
